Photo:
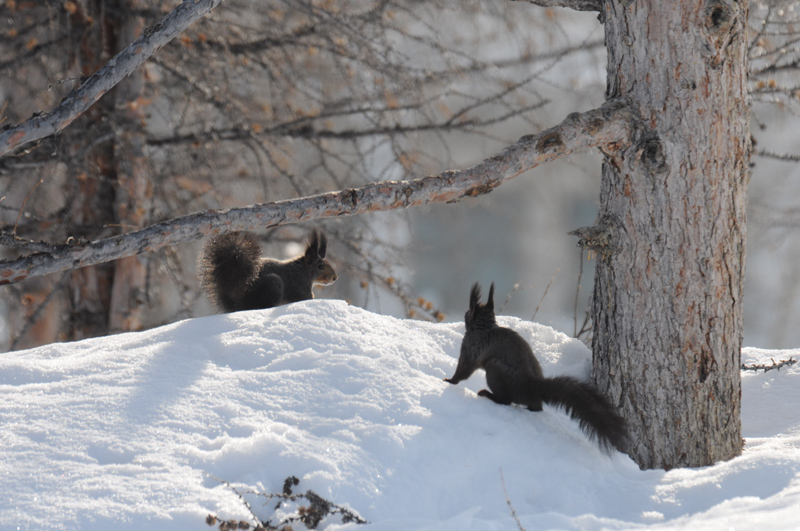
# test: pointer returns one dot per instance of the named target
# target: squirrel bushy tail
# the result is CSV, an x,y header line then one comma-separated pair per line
x,y
229,266
236,277
514,376
596,416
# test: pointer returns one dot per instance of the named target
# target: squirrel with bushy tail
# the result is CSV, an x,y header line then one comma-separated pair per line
x,y
236,278
514,376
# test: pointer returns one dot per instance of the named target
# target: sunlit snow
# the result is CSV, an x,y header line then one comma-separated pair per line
x,y
137,431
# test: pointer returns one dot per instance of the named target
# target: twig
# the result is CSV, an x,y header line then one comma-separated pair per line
x,y
585,328
511,293
22,208
577,296
239,494
787,157
508,501
775,365
546,289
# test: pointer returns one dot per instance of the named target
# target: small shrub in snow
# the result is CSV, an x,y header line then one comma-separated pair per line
x,y
755,367
308,508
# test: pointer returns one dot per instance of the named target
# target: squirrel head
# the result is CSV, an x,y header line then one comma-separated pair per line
x,y
314,258
480,316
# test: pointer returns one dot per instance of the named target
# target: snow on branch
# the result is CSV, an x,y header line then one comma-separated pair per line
x,y
605,127
577,5
775,365
121,65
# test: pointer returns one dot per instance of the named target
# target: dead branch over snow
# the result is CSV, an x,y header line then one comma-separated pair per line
x,y
605,127
755,367
121,65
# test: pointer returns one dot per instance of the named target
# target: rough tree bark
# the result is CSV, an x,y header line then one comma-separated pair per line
x,y
668,291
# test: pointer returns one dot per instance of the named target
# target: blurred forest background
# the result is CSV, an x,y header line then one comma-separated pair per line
x,y
269,100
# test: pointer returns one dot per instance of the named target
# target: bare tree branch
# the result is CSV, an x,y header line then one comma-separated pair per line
x,y
120,66
755,367
788,157
578,5
605,127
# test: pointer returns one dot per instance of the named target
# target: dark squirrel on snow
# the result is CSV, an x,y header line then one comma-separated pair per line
x,y
514,376
236,277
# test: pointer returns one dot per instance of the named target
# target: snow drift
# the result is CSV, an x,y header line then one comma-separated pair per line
x,y
136,431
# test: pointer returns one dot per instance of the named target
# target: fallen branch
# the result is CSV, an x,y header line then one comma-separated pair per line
x,y
775,365
121,65
606,127
510,505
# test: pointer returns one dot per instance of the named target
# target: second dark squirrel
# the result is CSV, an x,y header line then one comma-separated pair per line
x,y
514,376
236,278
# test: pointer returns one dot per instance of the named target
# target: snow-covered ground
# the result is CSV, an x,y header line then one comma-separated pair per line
x,y
135,431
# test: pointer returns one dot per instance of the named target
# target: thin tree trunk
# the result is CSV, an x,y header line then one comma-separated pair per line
x,y
133,186
93,194
671,233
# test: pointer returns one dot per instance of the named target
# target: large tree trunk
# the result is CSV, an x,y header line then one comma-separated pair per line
x,y
668,290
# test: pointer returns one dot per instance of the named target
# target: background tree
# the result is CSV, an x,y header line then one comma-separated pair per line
x,y
253,103
773,243
674,134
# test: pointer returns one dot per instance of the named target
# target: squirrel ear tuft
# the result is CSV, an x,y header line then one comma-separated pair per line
x,y
474,296
323,243
490,300
312,248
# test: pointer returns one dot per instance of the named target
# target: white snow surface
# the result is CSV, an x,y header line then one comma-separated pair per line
x,y
138,431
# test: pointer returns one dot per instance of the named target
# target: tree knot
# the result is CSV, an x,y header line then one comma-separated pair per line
x,y
653,158
719,16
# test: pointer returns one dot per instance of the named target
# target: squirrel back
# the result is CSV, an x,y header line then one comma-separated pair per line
x,y
236,278
514,376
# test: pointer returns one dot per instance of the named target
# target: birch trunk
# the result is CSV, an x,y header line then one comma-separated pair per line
x,y
669,279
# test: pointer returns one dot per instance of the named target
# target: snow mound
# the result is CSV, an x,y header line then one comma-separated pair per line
x,y
130,432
